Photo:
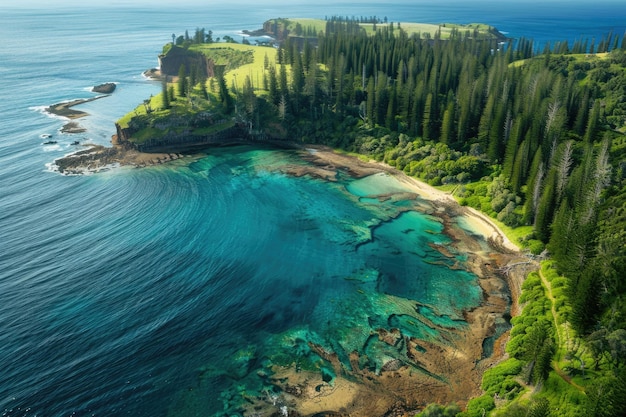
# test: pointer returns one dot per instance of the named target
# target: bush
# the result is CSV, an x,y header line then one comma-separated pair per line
x,y
500,379
536,246
436,410
479,407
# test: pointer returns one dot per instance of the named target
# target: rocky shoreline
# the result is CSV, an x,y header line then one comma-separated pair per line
x,y
65,109
97,158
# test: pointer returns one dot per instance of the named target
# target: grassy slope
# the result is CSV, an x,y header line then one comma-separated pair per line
x,y
235,77
254,70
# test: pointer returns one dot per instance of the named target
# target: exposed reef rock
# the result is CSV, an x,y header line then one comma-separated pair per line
x,y
72,127
100,158
65,109
106,88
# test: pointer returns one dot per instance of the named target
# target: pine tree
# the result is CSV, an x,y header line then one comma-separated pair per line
x,y
447,125
225,97
520,167
427,123
273,93
371,102
282,82
586,301
165,95
392,110
542,367
545,209
592,124
533,189
182,81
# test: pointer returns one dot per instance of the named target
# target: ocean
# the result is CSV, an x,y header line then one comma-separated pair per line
x,y
122,292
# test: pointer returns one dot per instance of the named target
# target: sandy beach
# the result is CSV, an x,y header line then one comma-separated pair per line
x,y
328,161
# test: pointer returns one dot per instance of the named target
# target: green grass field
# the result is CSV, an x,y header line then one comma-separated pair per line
x,y
254,70
424,29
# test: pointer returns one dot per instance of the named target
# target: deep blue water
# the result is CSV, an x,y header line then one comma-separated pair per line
x,y
118,291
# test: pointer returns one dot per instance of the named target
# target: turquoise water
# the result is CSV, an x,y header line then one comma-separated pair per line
x,y
124,292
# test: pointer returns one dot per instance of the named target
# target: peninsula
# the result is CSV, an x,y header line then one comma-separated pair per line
x,y
532,141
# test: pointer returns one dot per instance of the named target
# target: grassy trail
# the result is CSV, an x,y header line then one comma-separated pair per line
x,y
560,339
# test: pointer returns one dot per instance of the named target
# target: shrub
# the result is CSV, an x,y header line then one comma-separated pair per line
x,y
536,246
479,407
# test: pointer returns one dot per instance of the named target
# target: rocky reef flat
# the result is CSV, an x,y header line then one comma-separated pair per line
x,y
98,158
65,109
388,354
412,353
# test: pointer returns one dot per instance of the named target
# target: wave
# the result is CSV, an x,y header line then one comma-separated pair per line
x,y
43,110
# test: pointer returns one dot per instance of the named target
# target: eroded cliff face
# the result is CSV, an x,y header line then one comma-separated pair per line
x,y
170,63
121,136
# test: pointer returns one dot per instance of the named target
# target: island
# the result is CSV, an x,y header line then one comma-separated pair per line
x,y
531,142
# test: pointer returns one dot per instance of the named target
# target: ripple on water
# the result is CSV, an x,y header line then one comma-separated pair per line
x,y
141,278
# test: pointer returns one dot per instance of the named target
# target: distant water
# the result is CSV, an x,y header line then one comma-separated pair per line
x,y
121,290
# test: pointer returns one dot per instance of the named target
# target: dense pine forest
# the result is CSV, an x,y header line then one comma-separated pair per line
x,y
534,138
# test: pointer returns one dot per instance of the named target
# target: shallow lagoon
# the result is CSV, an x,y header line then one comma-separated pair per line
x,y
304,261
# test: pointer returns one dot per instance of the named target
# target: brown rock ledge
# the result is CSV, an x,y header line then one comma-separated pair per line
x,y
65,110
100,158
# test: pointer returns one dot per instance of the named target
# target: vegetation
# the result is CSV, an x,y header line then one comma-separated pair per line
x,y
535,141
310,28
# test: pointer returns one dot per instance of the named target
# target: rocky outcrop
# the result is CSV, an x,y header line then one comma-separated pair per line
x,y
99,158
106,88
182,141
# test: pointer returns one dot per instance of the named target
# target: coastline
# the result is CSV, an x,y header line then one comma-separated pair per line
x,y
448,370
324,163
329,159
98,158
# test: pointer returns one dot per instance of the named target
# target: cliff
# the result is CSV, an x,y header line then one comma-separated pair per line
x,y
184,141
171,62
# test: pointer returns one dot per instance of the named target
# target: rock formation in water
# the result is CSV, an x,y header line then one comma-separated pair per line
x,y
106,88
